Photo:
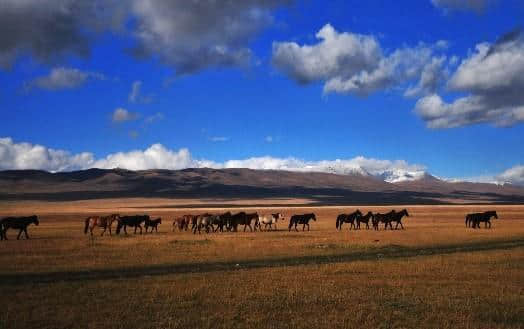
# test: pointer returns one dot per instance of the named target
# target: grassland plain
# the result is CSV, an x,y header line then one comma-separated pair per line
x,y
434,274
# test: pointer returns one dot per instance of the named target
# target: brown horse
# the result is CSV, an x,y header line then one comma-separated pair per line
x,y
182,222
103,222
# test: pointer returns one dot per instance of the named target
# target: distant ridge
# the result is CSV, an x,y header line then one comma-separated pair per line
x,y
328,188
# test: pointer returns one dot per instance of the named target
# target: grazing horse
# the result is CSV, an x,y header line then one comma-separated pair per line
x,y
348,218
133,221
269,220
301,219
103,222
20,223
397,217
202,221
153,223
364,219
182,222
382,218
483,217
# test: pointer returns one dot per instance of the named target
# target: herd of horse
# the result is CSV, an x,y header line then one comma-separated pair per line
x,y
230,222
356,217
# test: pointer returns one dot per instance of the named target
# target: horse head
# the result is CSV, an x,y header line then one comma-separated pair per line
x,y
34,218
358,212
405,212
494,214
313,217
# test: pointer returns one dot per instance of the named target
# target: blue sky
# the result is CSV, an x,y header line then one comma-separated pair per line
x,y
252,79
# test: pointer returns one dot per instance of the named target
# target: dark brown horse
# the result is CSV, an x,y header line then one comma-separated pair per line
x,y
364,219
397,218
153,223
133,221
104,222
348,218
483,217
301,219
20,223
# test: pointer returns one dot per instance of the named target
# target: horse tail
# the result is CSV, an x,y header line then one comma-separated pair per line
x,y
338,222
86,227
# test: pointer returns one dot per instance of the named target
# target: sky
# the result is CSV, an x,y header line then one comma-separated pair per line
x,y
382,87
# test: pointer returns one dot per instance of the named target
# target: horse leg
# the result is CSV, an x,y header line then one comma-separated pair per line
x,y
18,237
25,231
402,226
303,227
307,226
367,226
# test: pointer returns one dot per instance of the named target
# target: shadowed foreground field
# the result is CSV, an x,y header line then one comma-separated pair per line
x,y
434,274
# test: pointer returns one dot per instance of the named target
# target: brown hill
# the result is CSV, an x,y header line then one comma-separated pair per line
x,y
325,188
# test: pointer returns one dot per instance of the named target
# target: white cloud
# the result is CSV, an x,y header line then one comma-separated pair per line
x,y
219,139
475,5
355,64
153,118
492,78
154,157
33,156
157,156
514,175
121,115
136,96
63,78
269,139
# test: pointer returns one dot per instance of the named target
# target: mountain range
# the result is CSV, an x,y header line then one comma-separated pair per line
x,y
351,187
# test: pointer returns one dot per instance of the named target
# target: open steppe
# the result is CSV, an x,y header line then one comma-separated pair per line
x,y
434,274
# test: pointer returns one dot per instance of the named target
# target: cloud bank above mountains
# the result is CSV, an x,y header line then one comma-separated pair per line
x,y
32,156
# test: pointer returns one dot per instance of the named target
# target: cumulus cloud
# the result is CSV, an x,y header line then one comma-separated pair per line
x,y
514,175
63,78
29,156
50,29
194,35
492,78
356,64
121,115
33,156
475,5
155,157
187,35
136,96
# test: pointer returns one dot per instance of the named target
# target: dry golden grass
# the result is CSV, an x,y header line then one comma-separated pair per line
x,y
434,274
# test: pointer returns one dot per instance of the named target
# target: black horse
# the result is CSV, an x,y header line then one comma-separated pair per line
x,y
133,221
20,223
301,219
364,219
483,217
348,218
153,223
234,220
397,218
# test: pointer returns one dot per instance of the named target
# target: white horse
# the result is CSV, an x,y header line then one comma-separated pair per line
x,y
270,220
